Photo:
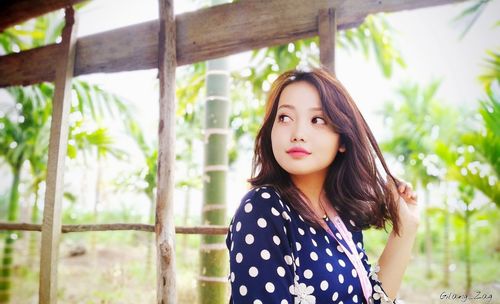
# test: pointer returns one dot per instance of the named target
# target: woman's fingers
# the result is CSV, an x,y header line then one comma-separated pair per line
x,y
404,190
410,196
402,187
405,187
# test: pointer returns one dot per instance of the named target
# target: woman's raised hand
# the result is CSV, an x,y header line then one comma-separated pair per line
x,y
407,199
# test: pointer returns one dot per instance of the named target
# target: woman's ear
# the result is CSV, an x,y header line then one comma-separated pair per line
x,y
342,149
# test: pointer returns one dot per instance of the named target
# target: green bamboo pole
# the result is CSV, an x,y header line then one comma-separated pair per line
x,y
213,256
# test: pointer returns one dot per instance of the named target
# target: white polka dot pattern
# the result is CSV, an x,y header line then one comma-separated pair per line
x,y
341,278
269,287
253,271
243,290
262,223
249,239
308,274
276,240
248,207
239,257
276,256
324,285
265,255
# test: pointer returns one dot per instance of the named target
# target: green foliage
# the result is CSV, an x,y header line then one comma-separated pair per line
x,y
475,159
26,123
144,179
34,33
416,120
3,207
471,14
374,36
492,71
426,136
250,86
190,111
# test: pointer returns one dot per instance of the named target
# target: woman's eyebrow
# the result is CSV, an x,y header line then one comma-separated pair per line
x,y
293,108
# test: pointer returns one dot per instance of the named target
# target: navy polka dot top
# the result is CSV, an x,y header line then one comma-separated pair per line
x,y
277,257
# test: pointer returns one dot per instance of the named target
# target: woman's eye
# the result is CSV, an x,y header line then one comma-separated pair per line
x,y
284,118
319,120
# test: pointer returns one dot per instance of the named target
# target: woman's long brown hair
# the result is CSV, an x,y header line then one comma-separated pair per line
x,y
353,185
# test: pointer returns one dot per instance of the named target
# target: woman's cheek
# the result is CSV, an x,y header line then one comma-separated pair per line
x,y
275,144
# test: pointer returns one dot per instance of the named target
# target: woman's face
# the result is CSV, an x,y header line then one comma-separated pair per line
x,y
302,141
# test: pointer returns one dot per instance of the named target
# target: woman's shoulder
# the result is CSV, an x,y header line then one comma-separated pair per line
x,y
262,193
261,201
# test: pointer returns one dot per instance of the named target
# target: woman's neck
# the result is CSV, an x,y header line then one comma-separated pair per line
x,y
312,186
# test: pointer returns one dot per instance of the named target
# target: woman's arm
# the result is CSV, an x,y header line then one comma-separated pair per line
x,y
260,256
397,252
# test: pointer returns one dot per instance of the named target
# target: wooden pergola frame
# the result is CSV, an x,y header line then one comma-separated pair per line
x,y
166,43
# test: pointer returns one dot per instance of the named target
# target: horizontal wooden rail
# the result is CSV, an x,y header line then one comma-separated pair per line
x,y
17,11
205,34
114,227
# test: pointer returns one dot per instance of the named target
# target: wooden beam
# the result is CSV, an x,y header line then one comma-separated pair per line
x,y
209,230
166,292
327,32
17,11
201,35
51,226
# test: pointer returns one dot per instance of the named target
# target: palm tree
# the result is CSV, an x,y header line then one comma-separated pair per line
x,y
472,158
21,125
415,123
486,145
456,167
479,149
26,129
26,123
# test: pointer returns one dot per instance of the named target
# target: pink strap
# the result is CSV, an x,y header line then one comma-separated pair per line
x,y
353,256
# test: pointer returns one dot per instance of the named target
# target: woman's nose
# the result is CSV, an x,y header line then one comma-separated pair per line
x,y
298,133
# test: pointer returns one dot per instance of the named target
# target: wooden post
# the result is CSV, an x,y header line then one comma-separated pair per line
x,y
327,29
164,224
51,226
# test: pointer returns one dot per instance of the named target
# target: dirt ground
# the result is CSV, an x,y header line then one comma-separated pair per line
x,y
114,274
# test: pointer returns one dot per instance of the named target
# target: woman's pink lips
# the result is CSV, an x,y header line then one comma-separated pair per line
x,y
298,154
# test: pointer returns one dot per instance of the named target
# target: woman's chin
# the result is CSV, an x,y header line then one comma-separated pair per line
x,y
299,171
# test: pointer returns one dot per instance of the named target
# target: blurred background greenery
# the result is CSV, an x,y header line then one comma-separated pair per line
x,y
448,151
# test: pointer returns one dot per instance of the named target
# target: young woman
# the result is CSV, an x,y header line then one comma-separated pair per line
x,y
297,235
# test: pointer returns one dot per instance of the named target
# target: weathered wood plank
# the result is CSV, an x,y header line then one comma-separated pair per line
x,y
201,35
17,11
166,292
51,226
327,29
209,230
